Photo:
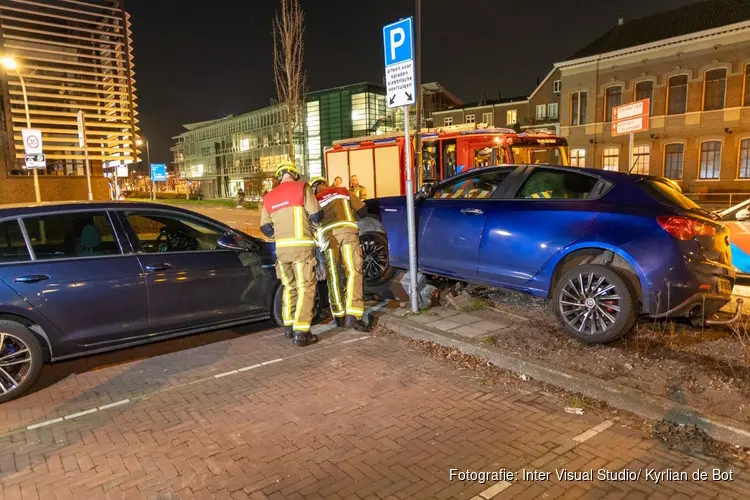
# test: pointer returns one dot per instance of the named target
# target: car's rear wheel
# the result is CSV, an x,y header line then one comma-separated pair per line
x,y
376,269
20,360
594,303
278,303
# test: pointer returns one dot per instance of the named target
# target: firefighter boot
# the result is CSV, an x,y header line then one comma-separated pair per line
x,y
302,339
340,321
288,332
357,324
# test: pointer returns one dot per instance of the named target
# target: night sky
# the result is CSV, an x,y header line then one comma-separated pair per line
x,y
198,60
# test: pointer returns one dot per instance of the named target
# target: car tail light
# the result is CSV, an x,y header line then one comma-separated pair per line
x,y
684,228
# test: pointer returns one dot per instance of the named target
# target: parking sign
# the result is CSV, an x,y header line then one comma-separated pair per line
x,y
398,43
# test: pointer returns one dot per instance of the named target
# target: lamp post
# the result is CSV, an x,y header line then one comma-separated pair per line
x,y
10,64
141,142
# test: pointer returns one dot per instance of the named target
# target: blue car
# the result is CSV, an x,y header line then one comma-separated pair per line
x,y
604,247
84,278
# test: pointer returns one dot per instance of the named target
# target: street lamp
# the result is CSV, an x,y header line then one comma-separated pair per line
x,y
141,142
10,64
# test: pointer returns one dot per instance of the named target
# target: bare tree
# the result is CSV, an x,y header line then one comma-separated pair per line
x,y
289,74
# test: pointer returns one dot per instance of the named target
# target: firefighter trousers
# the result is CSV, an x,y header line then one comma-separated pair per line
x,y
297,273
345,249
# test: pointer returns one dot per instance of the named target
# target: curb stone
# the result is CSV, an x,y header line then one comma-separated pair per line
x,y
615,395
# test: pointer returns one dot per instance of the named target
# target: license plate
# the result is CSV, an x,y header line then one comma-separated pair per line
x,y
724,287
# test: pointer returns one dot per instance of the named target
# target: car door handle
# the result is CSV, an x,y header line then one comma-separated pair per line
x,y
31,278
159,267
471,211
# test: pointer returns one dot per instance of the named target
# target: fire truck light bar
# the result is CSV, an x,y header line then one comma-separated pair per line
x,y
385,141
351,145
489,131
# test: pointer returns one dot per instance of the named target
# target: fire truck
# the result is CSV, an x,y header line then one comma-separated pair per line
x,y
378,161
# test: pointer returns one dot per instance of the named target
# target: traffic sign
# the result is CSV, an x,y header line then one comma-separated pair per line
x,y
81,138
630,118
35,161
398,43
32,141
158,172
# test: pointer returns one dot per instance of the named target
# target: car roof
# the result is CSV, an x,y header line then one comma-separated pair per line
x,y
28,209
605,174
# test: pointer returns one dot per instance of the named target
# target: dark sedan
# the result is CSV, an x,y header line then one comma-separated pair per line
x,y
83,278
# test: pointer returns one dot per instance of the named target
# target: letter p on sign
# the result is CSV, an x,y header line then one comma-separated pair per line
x,y
397,40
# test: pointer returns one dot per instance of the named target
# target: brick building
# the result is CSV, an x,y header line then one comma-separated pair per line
x,y
694,65
72,56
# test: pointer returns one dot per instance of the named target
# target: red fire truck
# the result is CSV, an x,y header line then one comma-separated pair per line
x,y
378,161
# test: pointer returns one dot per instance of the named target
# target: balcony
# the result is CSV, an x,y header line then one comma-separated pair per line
x,y
547,120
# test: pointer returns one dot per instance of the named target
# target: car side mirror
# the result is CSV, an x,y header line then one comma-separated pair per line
x,y
424,191
743,215
233,242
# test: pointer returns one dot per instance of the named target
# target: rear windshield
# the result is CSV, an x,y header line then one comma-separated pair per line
x,y
664,193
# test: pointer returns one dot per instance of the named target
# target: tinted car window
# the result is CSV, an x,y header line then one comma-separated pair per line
x,y
557,184
664,193
481,186
56,236
172,233
12,246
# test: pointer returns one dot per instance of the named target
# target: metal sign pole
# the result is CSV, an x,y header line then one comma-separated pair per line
x,y
413,292
88,165
630,154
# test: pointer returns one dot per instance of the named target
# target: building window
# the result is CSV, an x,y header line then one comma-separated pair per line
x,y
541,111
641,159
577,157
744,159
557,86
710,160
673,158
714,89
611,159
613,98
487,118
677,95
645,90
511,116
470,119
553,111
578,107
447,121
746,99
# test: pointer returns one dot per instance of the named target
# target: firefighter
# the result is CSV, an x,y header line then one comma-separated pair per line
x,y
339,230
290,214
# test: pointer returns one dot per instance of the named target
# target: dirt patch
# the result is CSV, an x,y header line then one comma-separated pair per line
x,y
684,438
707,368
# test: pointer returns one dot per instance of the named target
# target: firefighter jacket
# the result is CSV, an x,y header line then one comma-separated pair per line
x,y
289,211
339,208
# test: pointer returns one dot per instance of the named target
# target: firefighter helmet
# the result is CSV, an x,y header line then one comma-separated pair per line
x,y
286,168
317,183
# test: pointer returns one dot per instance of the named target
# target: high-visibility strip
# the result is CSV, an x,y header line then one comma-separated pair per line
x,y
302,327
543,194
286,299
348,210
349,261
294,242
298,267
325,229
327,201
356,312
337,308
298,222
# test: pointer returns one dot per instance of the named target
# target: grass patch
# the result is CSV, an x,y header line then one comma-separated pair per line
x,y
488,340
576,401
476,304
248,205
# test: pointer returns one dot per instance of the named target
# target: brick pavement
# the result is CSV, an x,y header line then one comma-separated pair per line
x,y
367,419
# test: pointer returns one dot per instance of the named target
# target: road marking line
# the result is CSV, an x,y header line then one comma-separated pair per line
x,y
43,424
272,361
501,486
82,413
355,340
249,367
116,403
585,436
219,375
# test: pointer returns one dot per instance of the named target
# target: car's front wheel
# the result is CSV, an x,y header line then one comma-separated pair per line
x,y
20,360
376,269
594,303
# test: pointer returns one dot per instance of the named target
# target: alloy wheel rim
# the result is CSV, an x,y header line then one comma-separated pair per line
x,y
589,303
374,258
15,362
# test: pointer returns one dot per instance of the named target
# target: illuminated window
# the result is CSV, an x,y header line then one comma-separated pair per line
x,y
557,86
714,89
553,111
541,111
611,159
511,116
577,157
641,159
674,155
244,144
645,90
488,119
578,107
710,167
677,95
613,98
470,119
744,172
